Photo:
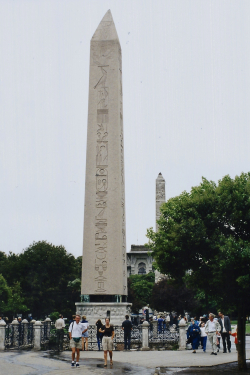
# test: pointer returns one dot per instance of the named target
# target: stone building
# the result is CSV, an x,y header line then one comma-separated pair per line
x,y
139,262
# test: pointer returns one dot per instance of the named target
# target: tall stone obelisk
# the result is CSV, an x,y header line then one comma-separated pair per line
x,y
160,196
104,269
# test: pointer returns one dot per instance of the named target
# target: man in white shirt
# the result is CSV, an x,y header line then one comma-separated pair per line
x,y
60,324
212,328
75,334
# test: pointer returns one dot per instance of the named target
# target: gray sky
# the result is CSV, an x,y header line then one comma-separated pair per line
x,y
186,88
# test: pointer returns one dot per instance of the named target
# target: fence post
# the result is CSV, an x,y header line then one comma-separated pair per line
x,y
182,334
48,323
155,328
145,326
25,331
2,334
37,335
15,333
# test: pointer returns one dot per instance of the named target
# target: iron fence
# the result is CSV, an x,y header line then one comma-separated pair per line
x,y
19,336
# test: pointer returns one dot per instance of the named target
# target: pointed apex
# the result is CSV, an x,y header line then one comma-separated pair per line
x,y
106,29
160,177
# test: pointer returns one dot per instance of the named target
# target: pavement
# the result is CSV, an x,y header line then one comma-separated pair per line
x,y
132,362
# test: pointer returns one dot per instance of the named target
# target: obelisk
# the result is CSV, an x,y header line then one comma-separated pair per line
x,y
159,200
104,269
160,196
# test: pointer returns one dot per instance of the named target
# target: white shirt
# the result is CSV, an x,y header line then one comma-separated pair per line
x,y
76,329
223,326
211,326
85,325
60,323
203,333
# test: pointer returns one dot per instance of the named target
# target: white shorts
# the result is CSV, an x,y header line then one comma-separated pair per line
x,y
107,343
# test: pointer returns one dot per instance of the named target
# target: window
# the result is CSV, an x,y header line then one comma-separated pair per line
x,y
142,269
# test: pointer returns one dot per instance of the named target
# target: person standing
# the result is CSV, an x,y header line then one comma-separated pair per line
x,y
193,333
107,341
60,324
85,335
98,334
127,328
212,328
203,337
225,331
76,329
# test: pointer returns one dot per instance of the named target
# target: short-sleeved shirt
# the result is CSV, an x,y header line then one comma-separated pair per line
x,y
108,331
127,325
76,329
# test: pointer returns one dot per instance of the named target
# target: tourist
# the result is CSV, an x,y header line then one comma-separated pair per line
x,y
85,335
76,329
236,339
60,324
212,328
225,331
160,324
127,328
203,337
107,341
98,334
193,333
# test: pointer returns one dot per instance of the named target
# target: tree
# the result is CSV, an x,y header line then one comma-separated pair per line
x,y
140,290
207,231
43,271
167,296
5,293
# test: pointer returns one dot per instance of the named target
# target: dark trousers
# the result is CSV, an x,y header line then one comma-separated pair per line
x,y
204,343
127,340
59,338
99,339
225,336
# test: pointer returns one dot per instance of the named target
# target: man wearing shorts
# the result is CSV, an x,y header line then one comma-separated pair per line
x,y
76,329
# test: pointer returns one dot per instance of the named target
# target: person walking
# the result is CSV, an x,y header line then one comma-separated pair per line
x,y
76,329
212,328
107,341
203,337
60,324
98,334
127,328
85,335
193,333
225,331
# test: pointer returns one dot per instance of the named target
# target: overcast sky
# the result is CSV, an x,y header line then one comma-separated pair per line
x,y
186,73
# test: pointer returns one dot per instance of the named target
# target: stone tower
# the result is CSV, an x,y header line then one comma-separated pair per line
x,y
104,269
160,196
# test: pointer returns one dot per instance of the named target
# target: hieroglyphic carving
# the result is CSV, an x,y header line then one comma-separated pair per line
x,y
160,196
101,236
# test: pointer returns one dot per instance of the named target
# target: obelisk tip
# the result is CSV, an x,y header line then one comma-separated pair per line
x,y
106,29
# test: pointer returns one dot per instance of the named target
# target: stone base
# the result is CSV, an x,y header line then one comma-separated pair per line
x,y
100,310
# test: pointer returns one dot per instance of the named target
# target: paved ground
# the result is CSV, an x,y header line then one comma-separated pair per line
x,y
133,363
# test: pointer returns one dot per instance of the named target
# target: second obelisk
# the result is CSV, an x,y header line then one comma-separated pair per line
x,y
104,270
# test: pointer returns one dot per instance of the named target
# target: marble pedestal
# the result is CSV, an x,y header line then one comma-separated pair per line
x,y
100,310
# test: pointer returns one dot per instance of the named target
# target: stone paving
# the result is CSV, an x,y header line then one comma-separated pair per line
x,y
133,363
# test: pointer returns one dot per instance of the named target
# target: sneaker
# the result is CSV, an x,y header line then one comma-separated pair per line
x,y
73,364
77,365
218,350
229,350
224,351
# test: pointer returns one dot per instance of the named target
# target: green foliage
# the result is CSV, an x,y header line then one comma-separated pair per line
x,y
5,294
43,272
54,316
11,299
140,290
208,231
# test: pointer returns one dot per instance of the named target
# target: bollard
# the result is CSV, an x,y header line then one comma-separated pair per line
x,y
145,326
48,323
37,335
2,334
16,333
182,334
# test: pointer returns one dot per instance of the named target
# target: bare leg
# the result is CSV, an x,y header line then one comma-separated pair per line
x,y
105,357
77,355
110,356
73,354
86,343
82,343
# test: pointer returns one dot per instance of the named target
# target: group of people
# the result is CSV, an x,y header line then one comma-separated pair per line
x,y
212,329
78,334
